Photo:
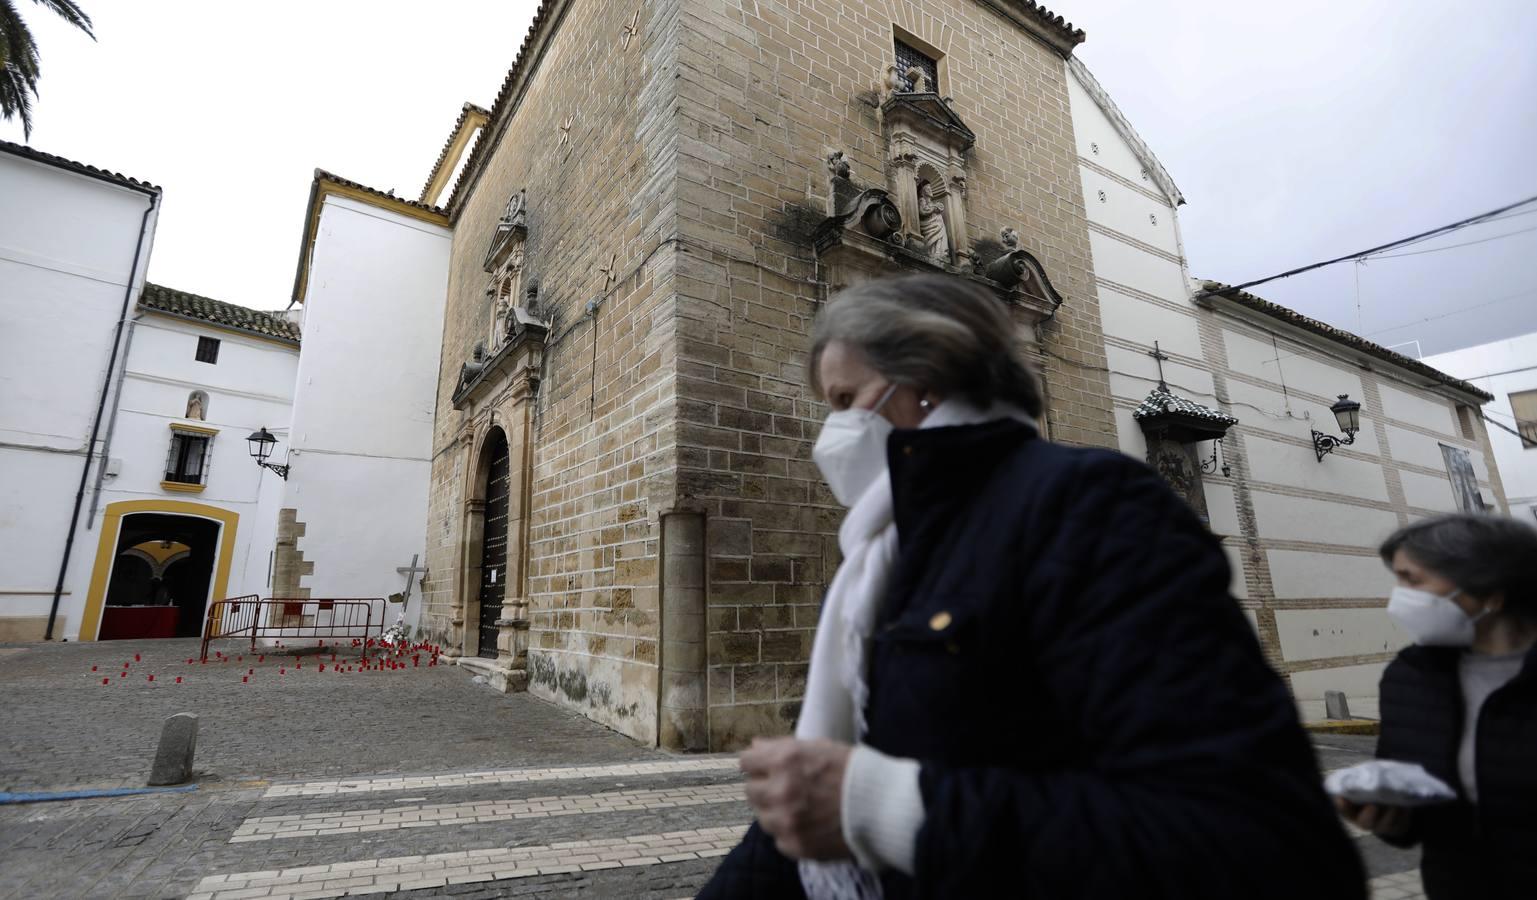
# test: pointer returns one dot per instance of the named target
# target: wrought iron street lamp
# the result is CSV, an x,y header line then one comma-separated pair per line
x,y
1347,413
261,443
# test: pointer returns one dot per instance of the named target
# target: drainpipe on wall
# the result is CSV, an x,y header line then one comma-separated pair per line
x,y
101,405
106,441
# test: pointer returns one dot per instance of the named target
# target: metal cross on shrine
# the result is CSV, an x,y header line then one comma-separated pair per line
x,y
1160,356
410,572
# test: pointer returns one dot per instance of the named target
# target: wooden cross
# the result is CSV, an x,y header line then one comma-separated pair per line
x,y
410,572
1160,356
630,31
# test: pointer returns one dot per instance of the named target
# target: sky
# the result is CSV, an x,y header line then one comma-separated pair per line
x,y
1297,132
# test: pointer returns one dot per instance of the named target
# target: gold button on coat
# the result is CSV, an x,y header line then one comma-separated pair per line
x,y
940,621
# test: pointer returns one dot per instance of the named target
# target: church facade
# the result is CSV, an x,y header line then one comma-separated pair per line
x,y
623,507
622,515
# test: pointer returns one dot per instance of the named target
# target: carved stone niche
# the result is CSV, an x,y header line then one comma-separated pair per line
x,y
926,145
514,347
504,263
863,238
1174,428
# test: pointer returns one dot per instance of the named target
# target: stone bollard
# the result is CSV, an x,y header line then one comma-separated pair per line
x,y
1335,706
178,742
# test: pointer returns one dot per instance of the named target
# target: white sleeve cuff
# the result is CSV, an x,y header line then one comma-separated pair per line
x,y
882,809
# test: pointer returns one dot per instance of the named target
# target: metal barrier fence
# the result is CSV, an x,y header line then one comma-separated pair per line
x,y
292,617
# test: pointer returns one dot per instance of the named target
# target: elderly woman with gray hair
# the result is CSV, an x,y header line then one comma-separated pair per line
x,y
1462,703
1028,677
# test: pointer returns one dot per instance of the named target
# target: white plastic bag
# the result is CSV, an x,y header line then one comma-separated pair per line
x,y
1389,782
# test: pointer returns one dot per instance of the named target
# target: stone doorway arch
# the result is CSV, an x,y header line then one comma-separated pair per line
x,y
486,545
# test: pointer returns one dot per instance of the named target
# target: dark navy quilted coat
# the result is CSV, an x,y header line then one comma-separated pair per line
x,y
1092,711
1487,851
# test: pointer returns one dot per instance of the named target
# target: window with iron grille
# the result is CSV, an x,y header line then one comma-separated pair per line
x,y
909,57
208,350
187,461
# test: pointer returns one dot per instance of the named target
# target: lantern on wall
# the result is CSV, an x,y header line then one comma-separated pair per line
x,y
1347,413
261,443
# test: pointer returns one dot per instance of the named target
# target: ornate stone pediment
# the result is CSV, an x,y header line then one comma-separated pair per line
x,y
511,231
516,364
1019,271
929,117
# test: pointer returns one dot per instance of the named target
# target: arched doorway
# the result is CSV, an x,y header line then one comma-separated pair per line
x,y
131,556
493,542
161,574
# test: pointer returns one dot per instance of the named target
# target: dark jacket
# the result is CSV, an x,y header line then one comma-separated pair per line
x,y
1092,714
1488,851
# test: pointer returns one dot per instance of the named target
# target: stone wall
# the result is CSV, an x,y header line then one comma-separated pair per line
x,y
590,136
766,90
289,567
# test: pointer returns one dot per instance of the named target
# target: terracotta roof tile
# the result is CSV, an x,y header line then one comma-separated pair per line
x,y
1355,342
1161,402
482,146
228,315
1065,30
388,195
464,113
26,152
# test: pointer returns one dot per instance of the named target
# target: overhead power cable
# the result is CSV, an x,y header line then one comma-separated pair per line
x,y
1455,246
1444,229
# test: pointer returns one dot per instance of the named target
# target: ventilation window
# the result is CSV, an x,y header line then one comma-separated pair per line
x,y
909,57
1153,218
1095,148
208,350
1102,196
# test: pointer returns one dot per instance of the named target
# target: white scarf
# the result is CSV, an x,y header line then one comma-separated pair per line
x,y
836,689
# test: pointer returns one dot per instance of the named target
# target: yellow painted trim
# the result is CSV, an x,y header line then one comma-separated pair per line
x,y
325,187
393,204
473,121
224,329
181,488
111,525
194,429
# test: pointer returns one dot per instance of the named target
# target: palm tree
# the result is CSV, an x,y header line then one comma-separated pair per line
x,y
19,59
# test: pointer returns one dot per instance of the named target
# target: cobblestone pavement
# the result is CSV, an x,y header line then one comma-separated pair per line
x,y
265,718
403,783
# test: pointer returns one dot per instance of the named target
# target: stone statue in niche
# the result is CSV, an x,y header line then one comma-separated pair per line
x,y
931,223
503,291
196,403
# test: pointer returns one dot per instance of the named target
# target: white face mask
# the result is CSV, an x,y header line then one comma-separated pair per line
x,y
851,451
1432,620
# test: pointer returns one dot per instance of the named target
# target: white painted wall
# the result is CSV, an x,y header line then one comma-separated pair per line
x,y
1502,368
67,245
365,397
250,385
1319,522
